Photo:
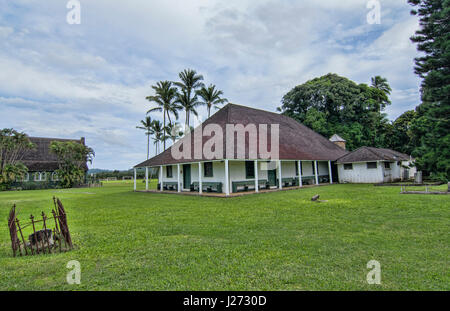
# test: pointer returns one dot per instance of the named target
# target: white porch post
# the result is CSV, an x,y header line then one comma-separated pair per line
x,y
146,178
161,178
329,172
316,173
227,179
179,179
135,175
256,177
200,183
300,181
280,181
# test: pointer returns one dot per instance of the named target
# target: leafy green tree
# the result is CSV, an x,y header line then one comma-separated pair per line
x,y
400,134
334,104
211,97
190,82
13,144
165,98
148,127
431,127
72,158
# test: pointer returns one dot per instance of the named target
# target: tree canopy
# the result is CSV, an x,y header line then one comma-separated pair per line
x,y
333,104
71,160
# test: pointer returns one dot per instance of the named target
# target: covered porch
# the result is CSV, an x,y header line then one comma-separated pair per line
x,y
238,177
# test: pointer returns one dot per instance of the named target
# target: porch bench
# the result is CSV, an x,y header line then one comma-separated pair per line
x,y
288,182
207,186
169,186
308,180
262,183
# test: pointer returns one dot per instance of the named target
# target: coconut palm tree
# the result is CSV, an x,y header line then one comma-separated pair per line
x,y
174,131
158,134
189,105
148,127
165,99
381,84
211,97
190,82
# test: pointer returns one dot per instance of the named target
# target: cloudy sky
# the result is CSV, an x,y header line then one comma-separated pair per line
x,y
91,79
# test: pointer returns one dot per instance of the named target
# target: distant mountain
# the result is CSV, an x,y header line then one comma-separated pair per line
x,y
98,170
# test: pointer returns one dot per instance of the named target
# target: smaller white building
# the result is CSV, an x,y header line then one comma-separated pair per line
x,y
375,165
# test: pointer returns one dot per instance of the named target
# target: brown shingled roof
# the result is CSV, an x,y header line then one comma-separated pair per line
x,y
365,154
297,142
40,158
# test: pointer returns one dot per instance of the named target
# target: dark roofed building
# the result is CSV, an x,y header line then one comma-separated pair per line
x,y
375,165
302,152
41,163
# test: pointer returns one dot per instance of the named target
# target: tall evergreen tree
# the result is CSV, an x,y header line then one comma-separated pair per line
x,y
431,128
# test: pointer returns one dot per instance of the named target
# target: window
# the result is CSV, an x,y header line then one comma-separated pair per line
x,y
55,176
36,177
208,169
387,165
249,169
348,166
371,165
43,176
169,171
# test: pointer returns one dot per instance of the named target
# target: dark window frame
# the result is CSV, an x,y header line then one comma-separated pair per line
x,y
249,169
169,173
347,165
208,169
387,165
371,164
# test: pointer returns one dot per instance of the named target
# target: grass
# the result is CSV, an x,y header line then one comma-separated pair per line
x,y
275,241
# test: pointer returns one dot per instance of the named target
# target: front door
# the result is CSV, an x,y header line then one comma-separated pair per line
x,y
186,176
272,177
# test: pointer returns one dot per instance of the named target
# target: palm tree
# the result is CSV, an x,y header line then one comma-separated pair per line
x,y
165,99
211,97
382,85
147,125
190,82
189,105
158,132
174,131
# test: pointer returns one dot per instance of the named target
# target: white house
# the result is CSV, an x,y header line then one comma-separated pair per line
x,y
375,165
302,152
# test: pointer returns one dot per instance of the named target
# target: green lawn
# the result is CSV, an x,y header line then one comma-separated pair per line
x,y
274,241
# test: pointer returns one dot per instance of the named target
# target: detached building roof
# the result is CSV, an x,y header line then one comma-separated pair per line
x,y
365,154
40,158
296,141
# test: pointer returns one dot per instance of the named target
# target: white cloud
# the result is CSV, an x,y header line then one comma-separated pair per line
x,y
92,79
